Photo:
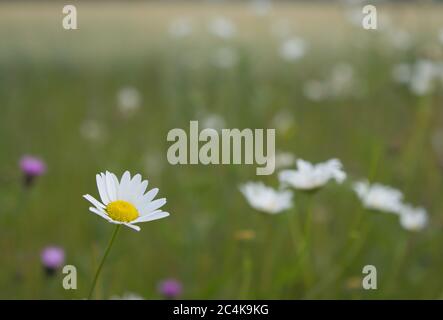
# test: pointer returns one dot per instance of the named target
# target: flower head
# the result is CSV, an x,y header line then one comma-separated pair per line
x,y
180,28
266,199
379,197
310,177
170,288
129,100
32,167
222,27
52,258
413,219
126,201
293,49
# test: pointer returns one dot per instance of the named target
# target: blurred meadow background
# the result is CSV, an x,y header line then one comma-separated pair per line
x,y
104,97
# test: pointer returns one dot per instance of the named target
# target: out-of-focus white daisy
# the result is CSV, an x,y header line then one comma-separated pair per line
x,y
354,16
293,49
261,7
379,197
222,27
283,160
180,28
315,90
413,219
127,296
213,121
126,201
283,121
309,176
399,39
266,199
128,100
423,76
341,79
225,57
92,130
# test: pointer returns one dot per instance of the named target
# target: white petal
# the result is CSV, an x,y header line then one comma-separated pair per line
x,y
101,186
131,195
136,228
110,184
151,194
152,216
146,199
154,205
94,201
142,188
124,185
100,213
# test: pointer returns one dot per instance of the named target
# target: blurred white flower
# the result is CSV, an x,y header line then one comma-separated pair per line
x,y
399,39
129,100
127,296
315,90
213,121
283,160
266,199
293,49
283,121
379,197
225,57
422,78
413,219
180,28
341,79
309,176
354,16
91,130
222,27
261,7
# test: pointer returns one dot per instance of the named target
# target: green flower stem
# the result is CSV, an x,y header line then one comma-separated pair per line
x,y
94,282
307,245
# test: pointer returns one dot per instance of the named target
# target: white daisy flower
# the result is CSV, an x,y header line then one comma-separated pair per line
x,y
126,202
266,199
413,219
293,49
129,100
222,27
379,197
309,176
283,160
315,90
180,28
261,7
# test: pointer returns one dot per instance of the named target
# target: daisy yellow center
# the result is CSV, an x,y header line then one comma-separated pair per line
x,y
122,211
